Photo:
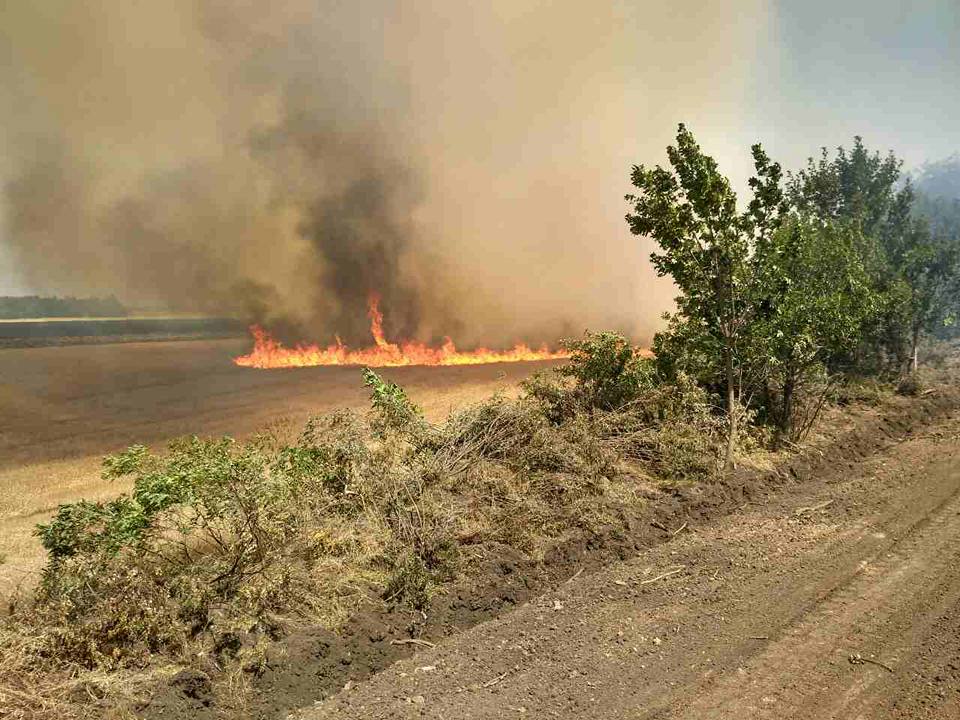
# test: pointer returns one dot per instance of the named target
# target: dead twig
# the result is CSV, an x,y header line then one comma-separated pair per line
x,y
413,641
758,637
658,526
679,529
491,683
812,508
575,575
858,659
664,575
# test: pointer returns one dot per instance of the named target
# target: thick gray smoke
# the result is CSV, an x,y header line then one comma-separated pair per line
x,y
283,160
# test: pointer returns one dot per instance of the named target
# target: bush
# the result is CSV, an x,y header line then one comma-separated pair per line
x,y
866,391
672,429
607,369
217,534
911,384
394,410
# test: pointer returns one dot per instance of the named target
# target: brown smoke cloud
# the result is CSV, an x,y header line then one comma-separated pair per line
x,y
281,160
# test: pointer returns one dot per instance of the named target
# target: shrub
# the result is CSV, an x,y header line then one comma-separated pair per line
x,y
513,432
868,391
910,384
394,411
672,429
608,371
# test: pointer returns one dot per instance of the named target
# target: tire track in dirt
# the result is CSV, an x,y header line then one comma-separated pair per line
x,y
805,673
760,622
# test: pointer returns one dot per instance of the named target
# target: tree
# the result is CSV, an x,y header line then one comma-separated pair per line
x,y
908,271
937,206
857,184
812,295
706,247
930,269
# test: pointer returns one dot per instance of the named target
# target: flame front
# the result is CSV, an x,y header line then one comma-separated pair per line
x,y
267,353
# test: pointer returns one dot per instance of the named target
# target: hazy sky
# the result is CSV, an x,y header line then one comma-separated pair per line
x,y
885,69
148,148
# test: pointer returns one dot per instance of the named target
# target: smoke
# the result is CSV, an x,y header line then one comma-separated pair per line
x,y
283,160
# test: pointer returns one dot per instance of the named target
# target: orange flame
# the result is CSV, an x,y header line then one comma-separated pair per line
x,y
268,353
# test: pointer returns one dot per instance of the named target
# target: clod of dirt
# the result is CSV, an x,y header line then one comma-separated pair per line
x,y
193,684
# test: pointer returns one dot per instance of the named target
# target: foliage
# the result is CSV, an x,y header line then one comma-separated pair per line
x,y
706,248
831,272
940,180
813,296
218,537
911,266
395,411
607,369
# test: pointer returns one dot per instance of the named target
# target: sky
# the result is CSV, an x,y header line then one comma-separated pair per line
x,y
224,153
883,69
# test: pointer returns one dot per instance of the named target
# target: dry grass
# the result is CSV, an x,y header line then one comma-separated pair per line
x,y
222,546
31,493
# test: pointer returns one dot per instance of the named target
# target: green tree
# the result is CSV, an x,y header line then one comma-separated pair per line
x,y
812,295
856,184
930,270
706,246
937,206
908,270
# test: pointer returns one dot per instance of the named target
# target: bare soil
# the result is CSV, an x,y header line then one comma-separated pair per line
x,y
826,589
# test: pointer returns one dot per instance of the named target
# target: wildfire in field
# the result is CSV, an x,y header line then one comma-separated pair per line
x,y
267,353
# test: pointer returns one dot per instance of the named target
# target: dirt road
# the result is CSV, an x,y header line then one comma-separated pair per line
x,y
63,408
835,597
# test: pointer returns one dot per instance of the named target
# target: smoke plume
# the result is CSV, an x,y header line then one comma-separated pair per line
x,y
281,161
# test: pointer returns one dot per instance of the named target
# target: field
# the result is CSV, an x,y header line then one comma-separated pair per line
x,y
63,408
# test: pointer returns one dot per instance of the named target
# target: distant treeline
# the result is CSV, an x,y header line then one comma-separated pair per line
x,y
34,306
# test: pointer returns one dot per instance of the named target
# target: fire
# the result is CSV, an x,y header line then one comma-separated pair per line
x,y
268,353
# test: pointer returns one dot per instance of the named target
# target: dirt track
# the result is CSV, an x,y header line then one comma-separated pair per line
x,y
760,617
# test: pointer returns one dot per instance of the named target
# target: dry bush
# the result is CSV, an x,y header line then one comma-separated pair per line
x,y
670,428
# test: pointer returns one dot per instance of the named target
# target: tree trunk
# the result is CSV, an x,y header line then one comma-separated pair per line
x,y
786,407
915,344
731,412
